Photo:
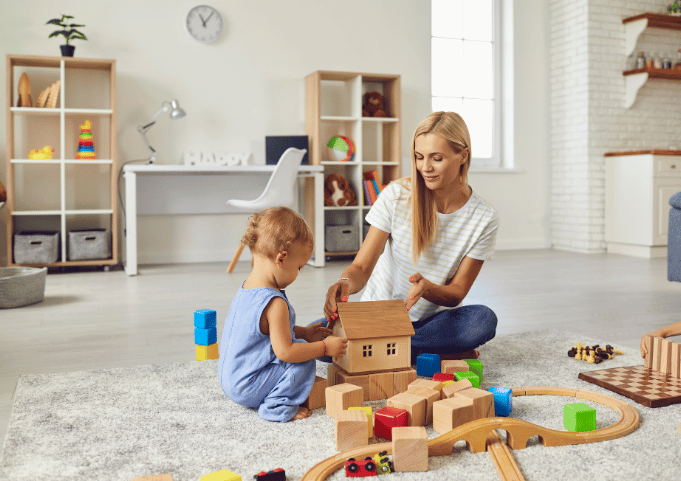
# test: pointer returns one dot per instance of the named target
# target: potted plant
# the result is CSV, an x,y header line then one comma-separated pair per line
x,y
69,32
674,9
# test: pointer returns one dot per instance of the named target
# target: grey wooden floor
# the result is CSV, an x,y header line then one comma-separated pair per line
x,y
99,320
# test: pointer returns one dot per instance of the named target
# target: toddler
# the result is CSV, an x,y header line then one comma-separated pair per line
x,y
266,361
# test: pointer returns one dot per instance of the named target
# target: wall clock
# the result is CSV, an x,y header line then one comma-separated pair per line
x,y
204,23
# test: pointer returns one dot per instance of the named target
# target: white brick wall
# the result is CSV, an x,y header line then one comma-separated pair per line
x,y
588,117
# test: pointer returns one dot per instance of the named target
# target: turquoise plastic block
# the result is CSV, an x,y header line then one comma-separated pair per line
x,y
427,364
205,318
470,375
205,337
579,417
503,400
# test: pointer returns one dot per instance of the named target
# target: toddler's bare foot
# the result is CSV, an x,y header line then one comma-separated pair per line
x,y
302,413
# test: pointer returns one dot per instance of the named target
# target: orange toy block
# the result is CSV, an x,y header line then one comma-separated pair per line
x,y
452,366
414,405
676,360
666,356
341,396
483,401
402,379
451,413
351,430
648,361
657,353
370,418
451,389
430,395
410,449
317,397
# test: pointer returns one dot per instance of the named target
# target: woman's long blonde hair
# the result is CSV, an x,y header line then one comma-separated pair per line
x,y
451,127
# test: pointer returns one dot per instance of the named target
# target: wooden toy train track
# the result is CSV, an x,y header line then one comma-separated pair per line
x,y
480,435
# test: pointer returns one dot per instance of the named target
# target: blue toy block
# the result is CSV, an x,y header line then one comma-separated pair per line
x,y
205,318
503,400
205,337
476,366
427,364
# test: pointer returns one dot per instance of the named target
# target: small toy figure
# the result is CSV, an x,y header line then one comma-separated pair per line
x,y
44,153
338,191
592,354
383,463
25,99
373,105
86,148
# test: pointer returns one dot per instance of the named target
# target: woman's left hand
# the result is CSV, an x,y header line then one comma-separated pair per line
x,y
419,285
316,332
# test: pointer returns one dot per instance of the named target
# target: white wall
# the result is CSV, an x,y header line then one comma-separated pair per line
x,y
249,84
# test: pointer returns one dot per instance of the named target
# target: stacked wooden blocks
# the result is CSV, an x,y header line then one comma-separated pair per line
x,y
663,356
205,334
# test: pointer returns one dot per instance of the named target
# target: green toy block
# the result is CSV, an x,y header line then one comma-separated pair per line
x,y
470,375
579,417
476,366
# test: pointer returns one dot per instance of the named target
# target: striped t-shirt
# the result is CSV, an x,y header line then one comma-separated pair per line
x,y
470,231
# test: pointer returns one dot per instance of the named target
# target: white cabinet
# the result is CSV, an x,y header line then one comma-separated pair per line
x,y
333,106
637,192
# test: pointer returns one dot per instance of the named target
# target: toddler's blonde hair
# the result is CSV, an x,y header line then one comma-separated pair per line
x,y
274,230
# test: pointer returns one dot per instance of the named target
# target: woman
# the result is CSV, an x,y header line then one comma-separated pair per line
x,y
429,236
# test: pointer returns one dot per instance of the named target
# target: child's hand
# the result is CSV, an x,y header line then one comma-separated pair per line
x,y
644,348
315,332
419,284
335,346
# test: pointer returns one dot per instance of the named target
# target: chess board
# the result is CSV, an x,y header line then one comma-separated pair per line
x,y
643,385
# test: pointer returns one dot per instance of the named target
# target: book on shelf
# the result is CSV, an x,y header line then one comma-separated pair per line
x,y
375,185
367,197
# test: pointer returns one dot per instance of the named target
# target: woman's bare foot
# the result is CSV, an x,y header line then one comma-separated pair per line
x,y
302,413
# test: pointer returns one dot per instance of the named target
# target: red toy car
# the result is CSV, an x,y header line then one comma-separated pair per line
x,y
360,469
274,475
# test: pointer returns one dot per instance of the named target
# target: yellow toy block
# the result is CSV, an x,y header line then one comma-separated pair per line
x,y
370,417
222,475
207,353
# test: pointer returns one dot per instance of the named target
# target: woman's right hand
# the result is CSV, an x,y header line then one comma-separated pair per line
x,y
338,292
335,346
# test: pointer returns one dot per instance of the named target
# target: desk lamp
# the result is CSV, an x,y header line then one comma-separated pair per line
x,y
175,113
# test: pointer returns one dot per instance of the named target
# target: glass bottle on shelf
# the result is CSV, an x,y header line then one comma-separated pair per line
x,y
666,61
658,60
677,65
641,60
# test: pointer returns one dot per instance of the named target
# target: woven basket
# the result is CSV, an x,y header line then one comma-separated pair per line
x,y
21,286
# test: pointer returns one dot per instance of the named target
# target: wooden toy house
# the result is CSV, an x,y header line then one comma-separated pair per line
x,y
379,336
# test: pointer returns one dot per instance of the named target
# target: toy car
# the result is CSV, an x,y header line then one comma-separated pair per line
x,y
360,469
383,463
274,475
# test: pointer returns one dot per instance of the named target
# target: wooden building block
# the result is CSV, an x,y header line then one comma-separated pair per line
x,y
155,477
351,430
342,396
648,360
414,405
451,389
666,356
452,366
381,385
370,418
427,383
483,401
331,374
410,449
360,380
430,395
451,413
387,418
402,379
676,360
317,397
657,353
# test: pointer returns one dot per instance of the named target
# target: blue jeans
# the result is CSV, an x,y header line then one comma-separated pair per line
x,y
449,331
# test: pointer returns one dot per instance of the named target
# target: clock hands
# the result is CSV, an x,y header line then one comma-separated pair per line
x,y
206,20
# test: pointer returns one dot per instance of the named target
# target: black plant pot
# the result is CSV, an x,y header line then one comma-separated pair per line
x,y
67,50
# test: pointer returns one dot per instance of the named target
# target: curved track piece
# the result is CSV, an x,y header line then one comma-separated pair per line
x,y
518,432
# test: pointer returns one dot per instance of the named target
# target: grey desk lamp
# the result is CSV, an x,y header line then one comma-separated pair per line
x,y
175,113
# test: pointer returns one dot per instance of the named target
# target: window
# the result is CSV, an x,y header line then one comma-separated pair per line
x,y
392,349
366,350
465,69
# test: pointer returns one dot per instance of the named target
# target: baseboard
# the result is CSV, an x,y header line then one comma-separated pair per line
x,y
189,257
523,245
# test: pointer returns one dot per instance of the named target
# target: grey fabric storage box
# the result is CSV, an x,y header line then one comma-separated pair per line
x,y
89,244
341,238
33,247
21,286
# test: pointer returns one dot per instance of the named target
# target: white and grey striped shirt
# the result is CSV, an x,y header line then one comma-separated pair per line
x,y
470,231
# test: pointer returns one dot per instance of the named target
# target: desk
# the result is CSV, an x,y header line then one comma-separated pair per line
x,y
153,189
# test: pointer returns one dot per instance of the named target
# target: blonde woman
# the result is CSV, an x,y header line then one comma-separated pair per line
x,y
430,234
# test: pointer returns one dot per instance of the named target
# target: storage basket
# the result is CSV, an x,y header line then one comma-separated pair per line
x,y
36,247
341,238
21,286
89,244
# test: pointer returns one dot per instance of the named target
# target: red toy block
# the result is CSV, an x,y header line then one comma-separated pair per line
x,y
388,418
443,377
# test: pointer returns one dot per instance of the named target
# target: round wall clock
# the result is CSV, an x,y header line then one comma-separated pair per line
x,y
204,23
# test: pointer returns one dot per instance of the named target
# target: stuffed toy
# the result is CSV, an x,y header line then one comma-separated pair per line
x,y
3,193
373,105
338,192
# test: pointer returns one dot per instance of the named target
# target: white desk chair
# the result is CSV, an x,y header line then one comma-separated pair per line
x,y
279,191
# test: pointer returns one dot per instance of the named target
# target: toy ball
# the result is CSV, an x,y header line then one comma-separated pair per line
x,y
340,148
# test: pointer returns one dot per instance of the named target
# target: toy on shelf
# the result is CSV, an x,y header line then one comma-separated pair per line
x,y
373,105
206,335
273,475
86,148
592,354
340,148
338,191
52,95
25,99
44,153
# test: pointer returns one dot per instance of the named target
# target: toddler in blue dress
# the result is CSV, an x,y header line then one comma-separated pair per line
x,y
266,361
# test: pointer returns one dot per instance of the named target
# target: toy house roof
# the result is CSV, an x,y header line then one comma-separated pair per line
x,y
374,319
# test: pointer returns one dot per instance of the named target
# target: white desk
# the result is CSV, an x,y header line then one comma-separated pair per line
x,y
153,189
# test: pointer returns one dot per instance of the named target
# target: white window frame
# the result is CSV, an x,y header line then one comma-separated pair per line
x,y
496,160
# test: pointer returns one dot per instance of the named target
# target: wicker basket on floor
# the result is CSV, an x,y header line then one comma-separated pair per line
x,y
21,286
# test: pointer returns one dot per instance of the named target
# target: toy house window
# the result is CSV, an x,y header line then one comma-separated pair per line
x,y
366,350
392,349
